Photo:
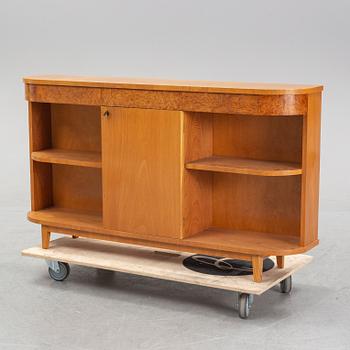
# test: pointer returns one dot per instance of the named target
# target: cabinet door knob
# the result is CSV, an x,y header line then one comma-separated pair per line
x,y
106,114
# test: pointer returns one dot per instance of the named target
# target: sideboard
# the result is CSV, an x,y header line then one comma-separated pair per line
x,y
217,168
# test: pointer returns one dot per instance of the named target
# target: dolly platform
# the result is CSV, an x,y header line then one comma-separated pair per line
x,y
159,263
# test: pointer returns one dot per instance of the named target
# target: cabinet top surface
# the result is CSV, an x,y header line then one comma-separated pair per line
x,y
174,85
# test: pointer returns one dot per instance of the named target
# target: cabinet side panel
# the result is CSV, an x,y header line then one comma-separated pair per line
x,y
40,138
197,186
311,170
141,166
39,126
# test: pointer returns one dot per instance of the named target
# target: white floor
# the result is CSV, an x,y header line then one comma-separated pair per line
x,y
97,309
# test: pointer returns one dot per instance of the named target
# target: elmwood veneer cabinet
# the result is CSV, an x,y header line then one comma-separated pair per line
x,y
225,169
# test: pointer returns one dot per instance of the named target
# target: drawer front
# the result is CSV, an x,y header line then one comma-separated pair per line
x,y
260,105
64,94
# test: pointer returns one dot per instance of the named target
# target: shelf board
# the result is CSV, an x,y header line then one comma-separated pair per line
x,y
213,241
62,217
248,242
245,166
68,157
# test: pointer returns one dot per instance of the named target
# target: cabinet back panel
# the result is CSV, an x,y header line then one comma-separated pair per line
x,y
77,188
76,127
41,185
263,138
257,203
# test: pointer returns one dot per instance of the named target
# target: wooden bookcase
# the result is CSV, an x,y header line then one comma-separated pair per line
x,y
224,169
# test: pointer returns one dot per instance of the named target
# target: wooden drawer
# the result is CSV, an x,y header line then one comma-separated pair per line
x,y
275,105
64,94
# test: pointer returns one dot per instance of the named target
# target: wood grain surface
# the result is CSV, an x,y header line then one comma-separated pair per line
x,y
199,166
259,104
245,166
311,171
77,188
174,85
141,158
67,157
257,203
196,187
260,138
40,138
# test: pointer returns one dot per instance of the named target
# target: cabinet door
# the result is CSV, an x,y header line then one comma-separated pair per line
x,y
141,170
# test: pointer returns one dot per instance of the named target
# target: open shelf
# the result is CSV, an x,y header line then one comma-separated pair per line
x,y
245,166
68,157
248,242
245,242
73,219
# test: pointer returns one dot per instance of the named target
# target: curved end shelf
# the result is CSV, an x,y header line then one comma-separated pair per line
x,y
68,157
249,242
245,166
211,241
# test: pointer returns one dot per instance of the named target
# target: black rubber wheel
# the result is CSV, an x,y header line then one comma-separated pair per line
x,y
244,305
286,285
62,273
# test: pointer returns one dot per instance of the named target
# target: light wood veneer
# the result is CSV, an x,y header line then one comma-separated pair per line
x,y
218,168
67,157
233,165
174,85
158,263
217,241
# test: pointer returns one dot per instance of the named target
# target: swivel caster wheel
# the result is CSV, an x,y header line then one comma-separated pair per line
x,y
245,303
286,285
58,270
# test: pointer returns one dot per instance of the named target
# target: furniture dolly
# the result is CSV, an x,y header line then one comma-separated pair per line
x,y
222,169
160,263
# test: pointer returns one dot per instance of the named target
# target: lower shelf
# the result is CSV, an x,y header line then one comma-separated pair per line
x,y
211,241
247,241
67,218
